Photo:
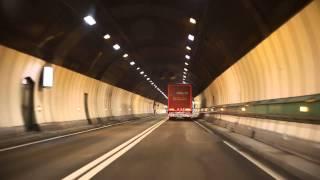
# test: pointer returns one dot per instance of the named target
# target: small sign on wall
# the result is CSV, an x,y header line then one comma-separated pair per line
x,y
47,76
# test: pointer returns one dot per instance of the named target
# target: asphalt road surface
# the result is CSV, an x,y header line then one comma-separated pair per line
x,y
163,150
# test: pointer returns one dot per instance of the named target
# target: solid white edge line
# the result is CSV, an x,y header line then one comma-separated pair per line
x,y
58,137
266,169
205,128
260,165
115,156
100,159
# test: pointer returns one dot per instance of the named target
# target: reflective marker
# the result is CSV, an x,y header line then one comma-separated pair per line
x,y
304,109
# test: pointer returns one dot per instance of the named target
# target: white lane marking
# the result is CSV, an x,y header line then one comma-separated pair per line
x,y
98,164
205,128
58,137
107,162
266,169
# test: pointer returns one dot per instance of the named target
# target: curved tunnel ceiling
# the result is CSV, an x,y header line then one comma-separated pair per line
x,y
153,33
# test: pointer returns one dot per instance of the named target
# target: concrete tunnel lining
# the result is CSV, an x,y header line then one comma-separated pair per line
x,y
286,64
64,101
283,66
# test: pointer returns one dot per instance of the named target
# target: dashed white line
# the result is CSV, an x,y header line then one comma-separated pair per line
x,y
95,166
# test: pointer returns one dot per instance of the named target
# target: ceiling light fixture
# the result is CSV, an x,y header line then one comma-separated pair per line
x,y
187,56
132,63
185,69
187,64
191,37
89,20
142,72
106,36
192,21
116,47
125,55
188,48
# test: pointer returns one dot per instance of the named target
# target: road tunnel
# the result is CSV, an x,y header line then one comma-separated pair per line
x,y
84,89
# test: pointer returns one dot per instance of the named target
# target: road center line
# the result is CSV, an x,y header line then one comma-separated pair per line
x,y
95,166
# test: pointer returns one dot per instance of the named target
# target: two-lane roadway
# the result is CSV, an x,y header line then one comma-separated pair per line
x,y
146,149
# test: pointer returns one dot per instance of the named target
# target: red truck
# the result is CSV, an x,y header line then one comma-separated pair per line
x,y
179,101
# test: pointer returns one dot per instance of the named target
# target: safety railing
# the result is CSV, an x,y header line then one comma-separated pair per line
x,y
304,109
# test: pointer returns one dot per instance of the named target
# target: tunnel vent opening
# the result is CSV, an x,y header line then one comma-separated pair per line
x,y
155,106
27,105
86,108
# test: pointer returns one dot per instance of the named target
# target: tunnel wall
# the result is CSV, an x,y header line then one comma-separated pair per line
x,y
65,100
286,64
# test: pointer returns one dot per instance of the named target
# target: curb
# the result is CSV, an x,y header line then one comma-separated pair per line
x,y
287,169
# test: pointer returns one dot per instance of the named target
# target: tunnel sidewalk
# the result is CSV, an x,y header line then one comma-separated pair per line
x,y
13,137
287,162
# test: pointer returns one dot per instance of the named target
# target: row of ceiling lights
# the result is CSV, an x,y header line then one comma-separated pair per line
x,y
91,21
187,56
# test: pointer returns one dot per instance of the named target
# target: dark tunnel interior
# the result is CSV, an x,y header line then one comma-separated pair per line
x,y
152,33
